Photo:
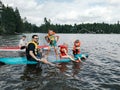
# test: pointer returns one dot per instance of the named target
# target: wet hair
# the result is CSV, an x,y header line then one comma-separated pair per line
x,y
34,36
77,41
24,36
50,30
65,44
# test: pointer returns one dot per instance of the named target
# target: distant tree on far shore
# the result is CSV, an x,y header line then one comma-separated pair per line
x,y
12,23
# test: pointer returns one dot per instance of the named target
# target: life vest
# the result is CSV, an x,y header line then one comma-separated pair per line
x,y
76,50
62,52
51,37
52,40
36,47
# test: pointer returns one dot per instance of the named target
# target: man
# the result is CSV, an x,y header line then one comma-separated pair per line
x,y
32,52
52,39
22,42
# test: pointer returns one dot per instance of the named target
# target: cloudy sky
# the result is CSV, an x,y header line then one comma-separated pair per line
x,y
68,11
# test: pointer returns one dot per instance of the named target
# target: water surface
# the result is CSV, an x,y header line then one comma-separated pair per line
x,y
101,71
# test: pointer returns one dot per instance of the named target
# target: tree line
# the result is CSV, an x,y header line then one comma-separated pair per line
x,y
12,23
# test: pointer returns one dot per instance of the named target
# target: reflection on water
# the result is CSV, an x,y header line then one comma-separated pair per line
x,y
76,68
9,40
29,70
63,67
99,72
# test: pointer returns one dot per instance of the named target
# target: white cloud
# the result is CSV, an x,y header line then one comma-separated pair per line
x,y
68,12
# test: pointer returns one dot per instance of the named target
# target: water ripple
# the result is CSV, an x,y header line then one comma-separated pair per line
x,y
101,71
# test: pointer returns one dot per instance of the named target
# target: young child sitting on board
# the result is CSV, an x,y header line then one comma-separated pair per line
x,y
64,51
76,50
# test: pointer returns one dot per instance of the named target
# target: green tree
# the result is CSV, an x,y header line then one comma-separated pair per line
x,y
18,21
8,20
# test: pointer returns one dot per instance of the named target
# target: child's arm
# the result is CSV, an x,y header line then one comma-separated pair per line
x,y
46,38
69,56
57,38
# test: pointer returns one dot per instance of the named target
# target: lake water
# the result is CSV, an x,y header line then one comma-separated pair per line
x,y
101,71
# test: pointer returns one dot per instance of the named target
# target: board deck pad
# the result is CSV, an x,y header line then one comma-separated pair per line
x,y
17,48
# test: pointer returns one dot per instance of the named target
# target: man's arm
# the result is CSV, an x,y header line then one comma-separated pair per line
x,y
33,56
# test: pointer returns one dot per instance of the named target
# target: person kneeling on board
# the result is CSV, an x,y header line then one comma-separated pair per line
x,y
76,51
32,53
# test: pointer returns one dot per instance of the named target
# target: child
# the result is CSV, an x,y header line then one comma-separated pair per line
x,y
76,50
22,42
52,39
64,51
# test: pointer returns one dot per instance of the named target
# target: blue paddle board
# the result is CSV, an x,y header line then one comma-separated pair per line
x,y
23,60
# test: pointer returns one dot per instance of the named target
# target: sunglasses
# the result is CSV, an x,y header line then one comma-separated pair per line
x,y
36,38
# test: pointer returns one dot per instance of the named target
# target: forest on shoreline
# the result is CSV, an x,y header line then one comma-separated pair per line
x,y
12,23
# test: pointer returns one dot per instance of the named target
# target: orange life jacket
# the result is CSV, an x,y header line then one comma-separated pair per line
x,y
51,37
76,48
62,52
